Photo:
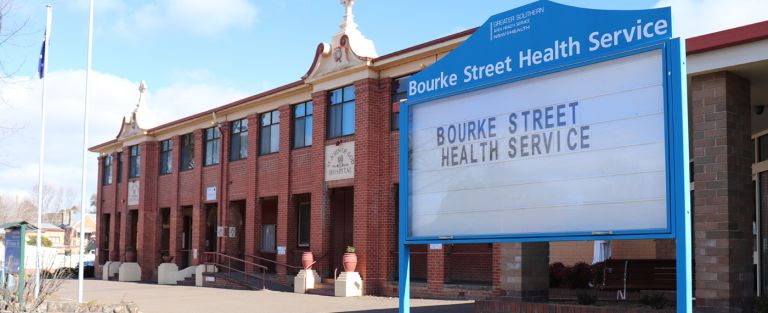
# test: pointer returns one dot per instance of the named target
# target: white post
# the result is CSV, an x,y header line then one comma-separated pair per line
x,y
44,75
83,196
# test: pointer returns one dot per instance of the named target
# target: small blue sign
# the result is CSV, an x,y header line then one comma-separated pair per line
x,y
535,38
13,244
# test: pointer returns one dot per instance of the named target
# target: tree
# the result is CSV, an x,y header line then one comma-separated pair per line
x,y
9,32
45,242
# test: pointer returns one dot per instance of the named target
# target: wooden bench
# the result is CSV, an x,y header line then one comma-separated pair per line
x,y
640,274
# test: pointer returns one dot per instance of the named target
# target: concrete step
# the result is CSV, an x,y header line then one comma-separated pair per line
x,y
323,289
189,281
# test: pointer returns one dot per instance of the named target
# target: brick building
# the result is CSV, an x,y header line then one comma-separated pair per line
x,y
312,166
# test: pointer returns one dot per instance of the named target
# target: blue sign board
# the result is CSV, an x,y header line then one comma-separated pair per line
x,y
550,122
534,39
13,244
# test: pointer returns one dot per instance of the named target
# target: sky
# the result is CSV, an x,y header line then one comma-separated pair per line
x,y
199,54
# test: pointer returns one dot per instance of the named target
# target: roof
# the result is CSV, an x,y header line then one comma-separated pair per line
x,y
17,224
288,86
703,43
50,226
727,38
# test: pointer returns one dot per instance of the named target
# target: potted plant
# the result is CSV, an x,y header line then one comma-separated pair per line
x,y
350,259
130,254
167,258
307,259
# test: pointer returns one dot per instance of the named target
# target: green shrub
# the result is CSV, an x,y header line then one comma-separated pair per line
x,y
761,304
586,299
45,242
656,301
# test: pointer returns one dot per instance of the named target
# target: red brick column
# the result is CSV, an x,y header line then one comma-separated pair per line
x,y
122,206
521,270
148,240
723,200
319,241
371,199
198,214
252,213
174,244
100,222
114,203
436,273
222,190
283,181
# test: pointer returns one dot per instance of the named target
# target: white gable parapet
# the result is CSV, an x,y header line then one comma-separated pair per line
x,y
140,118
348,48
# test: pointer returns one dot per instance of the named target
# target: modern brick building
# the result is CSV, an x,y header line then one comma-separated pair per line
x,y
313,166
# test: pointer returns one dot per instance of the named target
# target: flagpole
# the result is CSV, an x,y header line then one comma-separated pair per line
x,y
44,75
83,198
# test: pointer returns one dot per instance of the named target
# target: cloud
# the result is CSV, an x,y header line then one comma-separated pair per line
x,y
197,17
697,17
112,98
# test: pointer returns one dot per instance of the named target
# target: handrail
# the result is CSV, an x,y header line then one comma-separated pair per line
x,y
275,262
228,266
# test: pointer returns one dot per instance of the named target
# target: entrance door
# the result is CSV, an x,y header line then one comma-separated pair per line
x,y
186,237
342,206
211,223
268,248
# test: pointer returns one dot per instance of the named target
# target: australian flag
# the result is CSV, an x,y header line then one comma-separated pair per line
x,y
41,64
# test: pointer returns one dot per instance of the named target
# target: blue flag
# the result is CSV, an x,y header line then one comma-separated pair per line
x,y
41,64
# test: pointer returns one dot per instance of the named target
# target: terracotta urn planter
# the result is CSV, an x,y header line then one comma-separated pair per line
x,y
167,258
130,255
350,260
307,258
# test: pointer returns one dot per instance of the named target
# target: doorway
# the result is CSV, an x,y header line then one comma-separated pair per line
x,y
268,247
211,223
342,207
165,231
186,237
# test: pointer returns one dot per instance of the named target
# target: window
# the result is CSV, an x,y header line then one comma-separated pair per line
x,y
119,167
268,238
166,147
341,112
106,171
134,169
399,94
187,155
762,148
212,137
304,212
270,132
302,125
238,140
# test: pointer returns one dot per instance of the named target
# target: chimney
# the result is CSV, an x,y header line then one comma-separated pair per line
x,y
69,222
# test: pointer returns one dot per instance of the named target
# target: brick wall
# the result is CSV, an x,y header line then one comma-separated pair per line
x,y
723,201
285,175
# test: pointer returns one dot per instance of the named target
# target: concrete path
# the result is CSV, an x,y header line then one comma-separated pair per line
x,y
181,299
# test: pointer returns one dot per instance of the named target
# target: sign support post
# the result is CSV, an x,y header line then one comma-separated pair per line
x,y
683,248
22,263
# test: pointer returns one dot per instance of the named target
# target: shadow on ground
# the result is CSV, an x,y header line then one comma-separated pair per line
x,y
453,308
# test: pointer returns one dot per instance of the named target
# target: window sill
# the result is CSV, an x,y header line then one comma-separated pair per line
x,y
235,160
339,137
270,153
302,147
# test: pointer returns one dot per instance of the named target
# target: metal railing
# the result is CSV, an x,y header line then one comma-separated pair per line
x,y
224,261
